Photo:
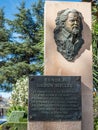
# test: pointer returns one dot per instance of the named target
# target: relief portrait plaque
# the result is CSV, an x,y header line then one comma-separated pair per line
x,y
68,33
54,98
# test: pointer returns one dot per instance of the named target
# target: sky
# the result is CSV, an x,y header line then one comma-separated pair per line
x,y
10,6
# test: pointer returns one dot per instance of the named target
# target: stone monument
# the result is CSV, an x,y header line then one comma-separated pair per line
x,y
67,56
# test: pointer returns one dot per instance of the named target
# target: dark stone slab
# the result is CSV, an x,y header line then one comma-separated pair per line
x,y
54,98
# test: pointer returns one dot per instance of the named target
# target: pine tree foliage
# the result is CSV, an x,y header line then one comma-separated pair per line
x,y
38,11
4,35
25,55
4,47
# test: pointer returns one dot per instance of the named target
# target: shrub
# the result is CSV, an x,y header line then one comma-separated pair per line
x,y
14,126
20,93
17,108
19,97
15,116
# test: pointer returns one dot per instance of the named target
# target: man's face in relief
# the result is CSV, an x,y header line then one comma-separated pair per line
x,y
72,24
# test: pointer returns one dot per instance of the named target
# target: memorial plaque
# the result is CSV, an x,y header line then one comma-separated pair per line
x,y
54,98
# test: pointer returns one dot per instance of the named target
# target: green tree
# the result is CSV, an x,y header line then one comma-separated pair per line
x,y
95,43
38,12
95,57
26,53
4,48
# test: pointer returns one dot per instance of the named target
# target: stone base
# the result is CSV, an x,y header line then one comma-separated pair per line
x,y
54,125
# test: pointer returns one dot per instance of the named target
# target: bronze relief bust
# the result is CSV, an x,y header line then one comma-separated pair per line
x,y
68,33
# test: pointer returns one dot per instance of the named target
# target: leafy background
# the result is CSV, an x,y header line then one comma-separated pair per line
x,y
21,55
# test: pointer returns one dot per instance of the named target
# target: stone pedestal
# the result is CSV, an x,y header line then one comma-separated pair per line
x,y
56,64
54,126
